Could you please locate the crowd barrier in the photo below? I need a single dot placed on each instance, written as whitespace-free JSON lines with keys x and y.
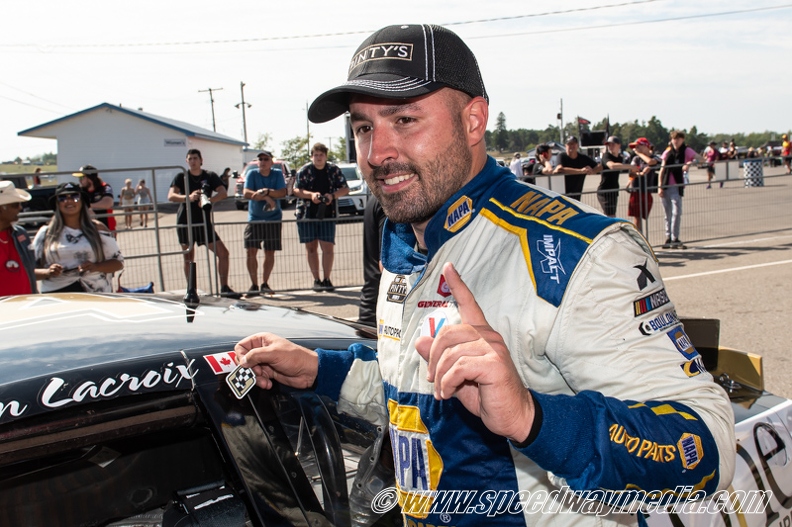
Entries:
{"x":154,"y":254}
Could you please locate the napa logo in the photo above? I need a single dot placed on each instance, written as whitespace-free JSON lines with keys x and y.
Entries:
{"x":459,"y":213}
{"x":690,"y":450}
{"x":417,"y":463}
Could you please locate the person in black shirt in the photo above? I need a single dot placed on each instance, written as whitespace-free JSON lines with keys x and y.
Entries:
{"x":544,"y":164}
{"x":188,"y":189}
{"x":575,"y":167}
{"x":612,"y":164}
{"x":373,"y":220}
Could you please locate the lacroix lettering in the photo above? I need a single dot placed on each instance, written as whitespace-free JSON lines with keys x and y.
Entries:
{"x":390,"y":50}
{"x":551,"y":210}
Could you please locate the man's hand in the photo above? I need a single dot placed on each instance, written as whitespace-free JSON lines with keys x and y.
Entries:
{"x":471,"y":362}
{"x":274,"y":358}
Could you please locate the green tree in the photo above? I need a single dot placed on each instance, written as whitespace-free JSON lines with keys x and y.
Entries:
{"x":295,"y":151}
{"x":263,"y":142}
{"x":501,"y":133}
{"x":338,"y":153}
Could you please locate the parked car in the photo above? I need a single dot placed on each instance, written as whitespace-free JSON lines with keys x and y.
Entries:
{"x":136,"y":424}
{"x":355,"y":201}
{"x":239,"y":185}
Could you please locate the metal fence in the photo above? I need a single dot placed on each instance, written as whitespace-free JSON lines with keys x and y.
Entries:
{"x":154,"y":254}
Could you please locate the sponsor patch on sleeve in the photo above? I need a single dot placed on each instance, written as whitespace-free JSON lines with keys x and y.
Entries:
{"x":690,"y":450}
{"x":650,"y":302}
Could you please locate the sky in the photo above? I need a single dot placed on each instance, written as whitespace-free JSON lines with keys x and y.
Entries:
{"x":721,"y":66}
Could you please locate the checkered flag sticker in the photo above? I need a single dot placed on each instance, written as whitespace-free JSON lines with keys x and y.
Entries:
{"x":241,"y":380}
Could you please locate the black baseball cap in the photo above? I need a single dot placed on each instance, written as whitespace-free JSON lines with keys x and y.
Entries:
{"x":400,"y":62}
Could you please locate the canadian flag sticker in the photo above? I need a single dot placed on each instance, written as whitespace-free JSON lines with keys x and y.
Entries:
{"x":222,"y":362}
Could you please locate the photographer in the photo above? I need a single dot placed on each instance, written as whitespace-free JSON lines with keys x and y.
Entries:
{"x":200,"y":189}
{"x":319,"y":184}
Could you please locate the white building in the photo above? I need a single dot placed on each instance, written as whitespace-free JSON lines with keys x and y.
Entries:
{"x":113,"y":137}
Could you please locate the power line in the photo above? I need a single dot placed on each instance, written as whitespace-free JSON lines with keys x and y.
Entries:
{"x":325,"y":35}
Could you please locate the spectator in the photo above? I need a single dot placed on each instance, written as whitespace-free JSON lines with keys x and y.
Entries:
{"x":544,"y":162}
{"x":264,"y":186}
{"x":711,"y":156}
{"x":18,"y":273}
{"x":643,"y":181}
{"x":575,"y":167}
{"x":143,"y":200}
{"x":527,"y":375}
{"x":673,"y":173}
{"x":612,"y":164}
{"x":100,"y":195}
{"x":373,"y":221}
{"x":127,"y":198}
{"x":516,"y":165}
{"x":37,"y":177}
{"x":786,"y":153}
{"x":225,"y":177}
{"x":80,"y":254}
{"x":731,"y":152}
{"x":319,"y":184}
{"x":189,"y":190}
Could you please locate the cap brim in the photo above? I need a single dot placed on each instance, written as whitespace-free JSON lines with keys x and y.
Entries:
{"x":335,"y":102}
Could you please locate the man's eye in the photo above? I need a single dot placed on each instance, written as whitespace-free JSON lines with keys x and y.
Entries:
{"x":405,"y":120}
{"x":362,"y":129}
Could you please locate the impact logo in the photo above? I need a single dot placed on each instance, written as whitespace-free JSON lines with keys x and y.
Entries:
{"x":459,"y":213}
{"x":690,"y":450}
{"x":417,"y":463}
{"x":659,"y":323}
{"x":552,"y":253}
{"x":443,"y":289}
{"x":388,"y":332}
{"x":645,"y":277}
{"x":397,"y":291}
{"x":650,"y":302}
{"x":386,"y":50}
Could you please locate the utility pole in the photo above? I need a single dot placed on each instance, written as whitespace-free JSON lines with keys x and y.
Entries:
{"x":211,"y":101}
{"x":243,"y":104}
{"x":561,"y":122}
{"x":307,"y":130}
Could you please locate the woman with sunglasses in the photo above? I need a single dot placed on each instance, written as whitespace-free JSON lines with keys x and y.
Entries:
{"x":83,"y":252}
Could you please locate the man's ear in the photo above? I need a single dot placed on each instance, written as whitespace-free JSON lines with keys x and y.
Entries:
{"x":475,"y":117}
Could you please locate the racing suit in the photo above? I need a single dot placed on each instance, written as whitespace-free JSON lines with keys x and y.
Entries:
{"x":624,"y":399}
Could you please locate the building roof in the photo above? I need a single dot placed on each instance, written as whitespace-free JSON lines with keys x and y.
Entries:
{"x":185,"y":128}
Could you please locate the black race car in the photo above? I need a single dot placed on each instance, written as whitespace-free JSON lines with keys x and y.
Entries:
{"x":117,"y":410}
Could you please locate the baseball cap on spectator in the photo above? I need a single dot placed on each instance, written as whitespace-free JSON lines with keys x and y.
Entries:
{"x":572,"y":139}
{"x":613,"y":139}
{"x":86,"y":170}
{"x":10,"y":194}
{"x":265,"y":153}
{"x":640,"y":141}
{"x":401,"y":62}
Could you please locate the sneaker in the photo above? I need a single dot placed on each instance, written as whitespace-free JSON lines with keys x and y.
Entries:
{"x":253,"y":291}
{"x":266,"y":289}
{"x":228,"y":292}
{"x":677,"y":244}
{"x":327,"y":285}
{"x":667,"y":244}
{"x":709,"y":186}
{"x":318,"y":285}
{"x":721,"y":184}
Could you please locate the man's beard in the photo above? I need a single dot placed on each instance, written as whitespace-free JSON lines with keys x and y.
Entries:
{"x":435,"y":182}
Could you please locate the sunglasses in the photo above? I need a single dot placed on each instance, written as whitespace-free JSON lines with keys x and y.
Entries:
{"x":63,"y":198}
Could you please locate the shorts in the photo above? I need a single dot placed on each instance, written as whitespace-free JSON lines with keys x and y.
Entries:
{"x":637,"y":210}
{"x":127,"y":203}
{"x":198,"y":235}
{"x":268,"y":233}
{"x":311,"y":230}
{"x":711,"y":168}
{"x":608,"y":198}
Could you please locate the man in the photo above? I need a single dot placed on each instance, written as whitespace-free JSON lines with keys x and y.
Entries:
{"x":643,"y":181}
{"x":544,"y":162}
{"x":319,"y":184}
{"x":264,"y":188}
{"x":676,"y":163}
{"x":612,"y":164}
{"x":511,"y":354}
{"x":100,"y":195}
{"x":516,"y":165}
{"x":575,"y":167}
{"x":711,"y":156}
{"x":18,"y":273}
{"x":188,"y":190}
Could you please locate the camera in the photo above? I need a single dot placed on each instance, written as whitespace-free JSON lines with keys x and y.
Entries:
{"x":206,"y":192}
{"x":324,"y":199}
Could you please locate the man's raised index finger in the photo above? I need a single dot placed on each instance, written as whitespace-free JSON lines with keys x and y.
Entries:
{"x":469,"y":310}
